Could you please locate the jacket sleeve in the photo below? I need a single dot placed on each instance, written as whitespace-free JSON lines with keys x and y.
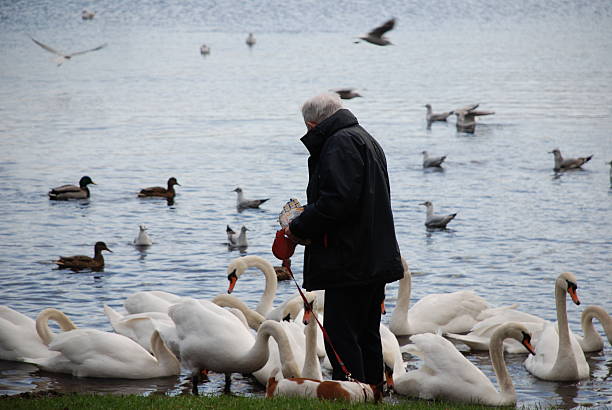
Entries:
{"x":340,"y":179}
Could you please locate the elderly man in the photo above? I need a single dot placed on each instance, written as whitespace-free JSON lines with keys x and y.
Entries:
{"x":347,"y":227}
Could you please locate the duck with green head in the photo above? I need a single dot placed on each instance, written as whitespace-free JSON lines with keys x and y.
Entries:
{"x":79,"y":262}
{"x":66,"y":192}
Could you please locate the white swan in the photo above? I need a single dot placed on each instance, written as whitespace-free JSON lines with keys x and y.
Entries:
{"x":140,"y":327}
{"x":559,"y":357}
{"x":453,"y":312}
{"x":211,"y":338}
{"x":479,"y":337}
{"x":447,"y":374}
{"x":19,"y":339}
{"x":94,"y":353}
{"x":591,"y":341}
{"x":239,"y":266}
{"x":150,"y":301}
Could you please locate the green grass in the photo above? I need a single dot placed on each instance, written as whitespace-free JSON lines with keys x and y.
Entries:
{"x":99,"y":401}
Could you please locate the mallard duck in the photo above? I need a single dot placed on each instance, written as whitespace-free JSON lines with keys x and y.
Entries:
{"x":283,"y":272}
{"x":160,"y":191}
{"x":79,"y":262}
{"x":65,"y":192}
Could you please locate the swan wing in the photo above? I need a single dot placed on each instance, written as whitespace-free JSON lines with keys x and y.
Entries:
{"x":18,"y":337}
{"x":451,"y":312}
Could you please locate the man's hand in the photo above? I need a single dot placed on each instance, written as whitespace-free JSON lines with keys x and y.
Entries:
{"x":295,"y":238}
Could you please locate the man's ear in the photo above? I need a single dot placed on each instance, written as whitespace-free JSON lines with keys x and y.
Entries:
{"x":311,"y":124}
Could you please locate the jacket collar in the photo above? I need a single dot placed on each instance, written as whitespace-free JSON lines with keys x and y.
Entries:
{"x":316,"y":137}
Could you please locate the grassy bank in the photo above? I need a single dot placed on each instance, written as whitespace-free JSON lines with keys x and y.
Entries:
{"x":94,"y":402}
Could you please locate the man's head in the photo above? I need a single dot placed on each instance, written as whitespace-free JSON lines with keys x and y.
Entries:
{"x":319,"y":107}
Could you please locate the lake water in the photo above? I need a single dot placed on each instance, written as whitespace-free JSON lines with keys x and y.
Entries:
{"x":149,"y":106}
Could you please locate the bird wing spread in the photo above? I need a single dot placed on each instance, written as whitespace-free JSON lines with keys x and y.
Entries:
{"x":380,"y":30}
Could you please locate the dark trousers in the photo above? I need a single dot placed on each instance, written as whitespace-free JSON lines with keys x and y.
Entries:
{"x":352,"y":321}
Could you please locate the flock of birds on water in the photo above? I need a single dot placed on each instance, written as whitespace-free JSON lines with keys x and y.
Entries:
{"x":159,"y":333}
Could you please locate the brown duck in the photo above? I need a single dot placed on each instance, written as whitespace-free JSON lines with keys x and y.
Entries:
{"x":283,"y":272}
{"x":159,"y":191}
{"x":66,"y":192}
{"x":79,"y":262}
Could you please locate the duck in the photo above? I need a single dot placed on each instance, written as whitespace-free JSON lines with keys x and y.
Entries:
{"x":19,"y":340}
{"x":431,"y":117}
{"x":66,"y":192}
{"x":94,"y":353}
{"x":466,"y":117}
{"x":432,"y":162}
{"x":158,"y":191}
{"x":454,"y":312}
{"x":447,"y":374}
{"x":376,"y":36}
{"x":87,"y":15}
{"x":142,"y":239}
{"x":284,"y":272}
{"x":79,"y":262}
{"x":211,"y":338}
{"x":250,"y":41}
{"x":347,"y":93}
{"x":559,"y":356}
{"x":242,"y":203}
{"x":433,"y":221}
{"x":568,"y":163}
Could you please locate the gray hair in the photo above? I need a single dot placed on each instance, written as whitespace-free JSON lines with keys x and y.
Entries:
{"x":321,"y":106}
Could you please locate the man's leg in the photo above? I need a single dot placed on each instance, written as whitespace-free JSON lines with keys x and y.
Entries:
{"x":343,"y":311}
{"x":369,"y":337}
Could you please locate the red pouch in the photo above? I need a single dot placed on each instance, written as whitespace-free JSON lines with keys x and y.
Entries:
{"x":283,"y":247}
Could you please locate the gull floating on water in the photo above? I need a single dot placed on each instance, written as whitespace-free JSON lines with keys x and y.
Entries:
{"x":568,"y":163}
{"x":377,"y":37}
{"x":237,"y":241}
{"x":250,"y":41}
{"x":88,"y":15}
{"x":347,"y":93}
{"x":436,"y":221}
{"x":432,"y":117}
{"x":466,"y":117}
{"x":63,"y":57}
{"x":429,"y":162}
{"x":204,"y":50}
{"x":143,"y":239}
{"x":243,"y":203}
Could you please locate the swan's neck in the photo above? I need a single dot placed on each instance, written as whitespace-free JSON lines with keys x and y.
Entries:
{"x":267,"y":299}
{"x":42,"y":324}
{"x":312,"y":367}
{"x":588,"y":329}
{"x":257,"y":356}
{"x":168,"y":363}
{"x":496,"y":352}
{"x":399,"y":318}
{"x":253,"y":318}
{"x":565,"y":355}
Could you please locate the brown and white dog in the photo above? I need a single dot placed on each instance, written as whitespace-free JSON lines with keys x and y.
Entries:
{"x":322,"y":389}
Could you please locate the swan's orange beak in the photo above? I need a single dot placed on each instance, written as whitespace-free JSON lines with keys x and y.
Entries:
{"x":307,"y":313}
{"x":232,"y":281}
{"x":572,"y":292}
{"x":383,"y":311}
{"x":527,"y":343}
{"x":389,"y":377}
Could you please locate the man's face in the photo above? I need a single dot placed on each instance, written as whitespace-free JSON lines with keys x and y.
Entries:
{"x":310,"y":125}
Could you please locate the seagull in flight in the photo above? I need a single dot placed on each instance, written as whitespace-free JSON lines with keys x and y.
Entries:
{"x":63,"y":57}
{"x":377,"y":37}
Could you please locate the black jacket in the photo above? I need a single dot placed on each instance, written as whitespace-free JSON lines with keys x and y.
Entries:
{"x":348,"y":217}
